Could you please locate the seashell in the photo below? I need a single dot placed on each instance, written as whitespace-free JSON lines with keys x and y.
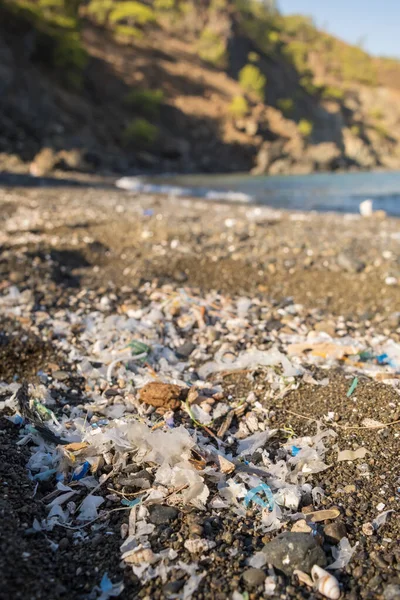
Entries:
{"x":199,"y":545}
{"x":303,"y":577}
{"x":368,"y":529}
{"x":325,"y":583}
{"x":139,"y":556}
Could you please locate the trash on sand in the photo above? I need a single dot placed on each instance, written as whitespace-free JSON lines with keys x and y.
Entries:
{"x":107,"y":589}
{"x":352,"y":387}
{"x":352,"y":454}
{"x":325,"y":583}
{"x":89,"y":508}
{"x":333,"y":350}
{"x":342,"y":554}
{"x":131,"y":503}
{"x":253,"y":497}
{"x":257,"y":561}
{"x":81,"y":471}
{"x":381,"y":519}
{"x":366,"y":208}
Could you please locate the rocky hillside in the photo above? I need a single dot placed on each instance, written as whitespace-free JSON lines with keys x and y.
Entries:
{"x":174,"y":85}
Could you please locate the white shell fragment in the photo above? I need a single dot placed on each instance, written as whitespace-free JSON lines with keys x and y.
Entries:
{"x":325,"y":583}
{"x":198,"y":546}
{"x":139,"y":556}
{"x":303,"y":577}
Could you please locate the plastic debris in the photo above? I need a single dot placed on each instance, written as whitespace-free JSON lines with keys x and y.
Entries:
{"x":81,"y":471}
{"x":381,"y":519}
{"x":352,"y":387}
{"x":132,"y":420}
{"x":107,"y":589}
{"x":89,"y":508}
{"x":257,"y":561}
{"x":352,"y":454}
{"x":333,"y":350}
{"x":131,"y":503}
{"x":253,"y":497}
{"x":366,"y":208}
{"x":342,"y":554}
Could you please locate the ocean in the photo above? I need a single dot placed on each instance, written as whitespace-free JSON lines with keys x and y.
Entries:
{"x":339,"y":192}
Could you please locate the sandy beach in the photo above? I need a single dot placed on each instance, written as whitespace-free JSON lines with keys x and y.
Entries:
{"x":309,"y":286}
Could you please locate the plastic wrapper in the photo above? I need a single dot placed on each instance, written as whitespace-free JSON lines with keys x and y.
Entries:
{"x":252,"y":359}
{"x":342,"y":554}
{"x":89,"y":507}
{"x":252,"y":443}
{"x":381,"y":519}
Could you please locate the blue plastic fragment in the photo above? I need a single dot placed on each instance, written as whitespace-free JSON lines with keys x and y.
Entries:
{"x":44,"y":475}
{"x":295,"y":450}
{"x":106,"y":583}
{"x":253,"y":496}
{"x":16,"y":419}
{"x":352,"y":387}
{"x":148,"y":212}
{"x":130,"y":503}
{"x":81,"y":471}
{"x":382,"y":359}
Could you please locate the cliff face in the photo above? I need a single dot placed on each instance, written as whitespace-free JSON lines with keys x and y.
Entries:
{"x":207,"y":86}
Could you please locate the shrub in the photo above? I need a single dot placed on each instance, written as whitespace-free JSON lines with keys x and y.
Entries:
{"x":382,"y":132}
{"x":164,"y":4}
{"x":332,"y":93}
{"x":309,"y":86}
{"x":285,"y":105}
{"x":212,"y":47}
{"x":253,"y":81}
{"x":253,"y":57}
{"x":355,"y":130}
{"x":305,"y":128}
{"x":132,"y":14}
{"x":100,"y":10}
{"x":377,"y":113}
{"x":58,"y":43}
{"x":297,"y":53}
{"x":147,"y":102}
{"x":239,"y":107}
{"x":141,"y":133}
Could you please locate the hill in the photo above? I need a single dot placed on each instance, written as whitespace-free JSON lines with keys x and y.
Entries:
{"x":173,"y":85}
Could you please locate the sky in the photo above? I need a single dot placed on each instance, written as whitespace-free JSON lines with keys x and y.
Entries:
{"x":374,"y":22}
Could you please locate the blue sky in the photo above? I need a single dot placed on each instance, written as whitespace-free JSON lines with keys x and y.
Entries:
{"x":376,"y":22}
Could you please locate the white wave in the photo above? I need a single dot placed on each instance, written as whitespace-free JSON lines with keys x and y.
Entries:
{"x":137,"y":184}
